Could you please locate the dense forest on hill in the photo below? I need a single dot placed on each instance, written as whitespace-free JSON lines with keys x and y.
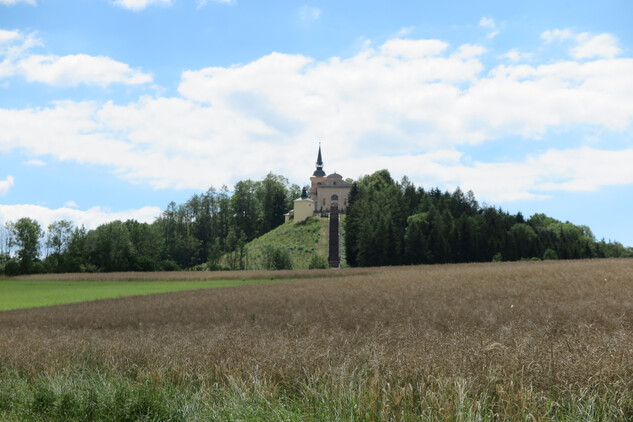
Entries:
{"x":388,"y":223}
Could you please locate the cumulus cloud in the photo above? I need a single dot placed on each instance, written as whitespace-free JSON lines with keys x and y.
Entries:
{"x":602,"y":45}
{"x":406,"y":105}
{"x":6,"y":185}
{"x":587,"y":45}
{"x":70,"y":70}
{"x":137,"y":5}
{"x":552,"y":35}
{"x":515,"y":55}
{"x":73,"y":70}
{"x":90,"y":218}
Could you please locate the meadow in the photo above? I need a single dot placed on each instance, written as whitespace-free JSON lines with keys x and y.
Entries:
{"x":17,"y":294}
{"x":500,"y":341}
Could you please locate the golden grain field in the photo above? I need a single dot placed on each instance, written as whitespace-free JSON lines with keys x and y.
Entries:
{"x":499,"y":341}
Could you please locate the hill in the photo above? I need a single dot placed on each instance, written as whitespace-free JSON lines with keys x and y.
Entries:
{"x":302,"y":241}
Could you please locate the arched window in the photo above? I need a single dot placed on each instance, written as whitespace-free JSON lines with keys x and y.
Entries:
{"x":334,"y":198}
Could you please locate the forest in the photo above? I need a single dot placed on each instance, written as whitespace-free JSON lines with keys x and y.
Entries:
{"x":387,"y":223}
{"x":390,"y":223}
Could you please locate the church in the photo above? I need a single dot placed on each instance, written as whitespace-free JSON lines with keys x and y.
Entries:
{"x":328,"y":194}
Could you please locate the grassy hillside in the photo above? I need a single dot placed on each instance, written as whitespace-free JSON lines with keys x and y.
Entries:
{"x":301,"y":240}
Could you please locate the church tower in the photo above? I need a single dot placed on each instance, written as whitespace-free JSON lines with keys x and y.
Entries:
{"x":319,"y":165}
{"x":318,"y":177}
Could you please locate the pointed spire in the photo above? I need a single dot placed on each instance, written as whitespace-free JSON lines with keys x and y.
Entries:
{"x":319,"y":159}
{"x":319,"y":165}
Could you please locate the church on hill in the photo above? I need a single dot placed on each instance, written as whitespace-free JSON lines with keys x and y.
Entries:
{"x":328,"y":194}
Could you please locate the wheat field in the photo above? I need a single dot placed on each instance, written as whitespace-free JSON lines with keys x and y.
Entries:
{"x":502,"y":341}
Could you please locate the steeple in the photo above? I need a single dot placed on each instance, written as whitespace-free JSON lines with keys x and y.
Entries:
{"x":319,"y":165}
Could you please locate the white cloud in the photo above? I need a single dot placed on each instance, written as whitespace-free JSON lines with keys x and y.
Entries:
{"x":69,"y":70}
{"x":73,"y":70}
{"x":14,"y":2}
{"x":35,"y":163}
{"x":71,"y":204}
{"x":6,"y":185}
{"x":309,"y":13}
{"x":6,"y":36}
{"x":587,"y":45}
{"x":602,"y":45}
{"x":489,"y":23}
{"x":556,"y":35}
{"x":137,"y":5}
{"x":403,"y":32}
{"x":468,"y":51}
{"x":90,"y":219}
{"x":515,"y":55}
{"x":407,"y":105}
{"x":412,"y":49}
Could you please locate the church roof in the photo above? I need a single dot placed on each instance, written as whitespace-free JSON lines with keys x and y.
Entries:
{"x":319,"y":165}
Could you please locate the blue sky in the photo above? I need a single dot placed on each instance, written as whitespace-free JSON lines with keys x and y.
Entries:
{"x":110,"y":109}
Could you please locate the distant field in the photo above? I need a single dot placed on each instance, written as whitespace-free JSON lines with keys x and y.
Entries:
{"x":525,"y":341}
{"x":17,"y":294}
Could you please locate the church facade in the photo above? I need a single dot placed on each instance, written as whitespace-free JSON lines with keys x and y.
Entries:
{"x":328,"y":194}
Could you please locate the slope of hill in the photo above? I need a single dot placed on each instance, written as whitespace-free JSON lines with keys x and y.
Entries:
{"x":302,"y":241}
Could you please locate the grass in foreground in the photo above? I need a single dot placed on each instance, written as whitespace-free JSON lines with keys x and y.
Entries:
{"x":521,"y":341}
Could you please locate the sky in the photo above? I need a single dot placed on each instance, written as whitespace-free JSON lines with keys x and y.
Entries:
{"x":111,"y":109}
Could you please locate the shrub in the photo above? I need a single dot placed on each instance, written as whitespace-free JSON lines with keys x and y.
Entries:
{"x":497,"y":257}
{"x":277,"y":258}
{"x":12,"y":267}
{"x":549,"y":254}
{"x":318,"y":262}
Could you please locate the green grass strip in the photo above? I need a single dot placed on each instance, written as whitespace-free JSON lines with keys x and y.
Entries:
{"x":18,"y":294}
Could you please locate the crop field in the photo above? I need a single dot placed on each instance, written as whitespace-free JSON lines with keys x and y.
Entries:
{"x":503,"y":341}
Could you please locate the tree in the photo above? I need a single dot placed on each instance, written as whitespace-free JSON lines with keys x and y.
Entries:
{"x":26,"y":234}
{"x":57,"y":241}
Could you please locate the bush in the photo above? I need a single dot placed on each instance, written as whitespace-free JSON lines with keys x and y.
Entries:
{"x":549,"y":254}
{"x":170,"y":265}
{"x":12,"y":268}
{"x":276,"y":258}
{"x":498,"y":257}
{"x":318,"y":262}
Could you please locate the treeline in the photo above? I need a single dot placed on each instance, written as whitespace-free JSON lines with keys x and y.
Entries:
{"x":387,"y":223}
{"x":211,"y":228}
{"x":390,"y":223}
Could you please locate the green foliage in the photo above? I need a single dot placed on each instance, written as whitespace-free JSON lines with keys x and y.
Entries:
{"x":318,"y":262}
{"x":302,"y":241}
{"x":277,"y":258}
{"x":387,"y":223}
{"x":390,"y":223}
{"x":12,"y":268}
{"x":550,"y":254}
{"x":26,"y":234}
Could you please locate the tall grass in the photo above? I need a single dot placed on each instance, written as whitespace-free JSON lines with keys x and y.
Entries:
{"x":521,"y":341}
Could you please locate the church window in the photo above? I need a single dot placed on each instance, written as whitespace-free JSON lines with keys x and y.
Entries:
{"x":334,"y":198}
